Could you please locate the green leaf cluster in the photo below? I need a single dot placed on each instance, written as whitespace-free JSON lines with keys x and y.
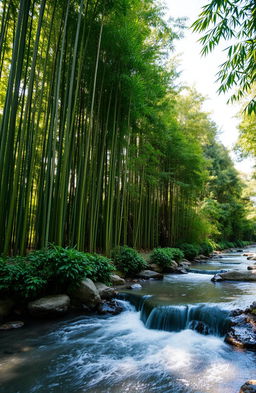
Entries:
{"x":164,"y":257}
{"x":51,"y":271}
{"x":127,"y":260}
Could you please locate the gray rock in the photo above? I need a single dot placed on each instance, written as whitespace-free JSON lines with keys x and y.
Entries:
{"x":110,"y":307}
{"x":105,"y":292}
{"x":216,"y":278}
{"x":249,"y":387}
{"x":181,"y":270}
{"x":185,"y":264}
{"x":172,"y":268}
{"x":252,"y":258}
{"x":242,"y":332}
{"x":12,"y":325}
{"x":6,"y":306}
{"x":87,"y":294}
{"x":156,"y":268}
{"x":202,"y":257}
{"x":147,"y":274}
{"x":49,"y":306}
{"x":116,"y":280}
{"x":252,"y":267}
{"x":134,"y":286}
{"x":237,"y":276}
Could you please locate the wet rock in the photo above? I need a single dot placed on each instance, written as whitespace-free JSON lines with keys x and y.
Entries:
{"x":251,"y":267}
{"x":252,"y":258}
{"x":105,"y":292}
{"x":11,"y":325}
{"x":87,"y":294}
{"x":202,"y":257}
{"x":149,"y":274}
{"x":116,"y":280}
{"x":236,"y":276}
{"x":216,"y":278}
{"x":156,"y":268}
{"x":185,"y":264}
{"x":6,"y":306}
{"x":172,"y":268}
{"x":241,"y":336}
{"x":237,"y":312}
{"x":110,"y":307}
{"x":199,"y":327}
{"x":49,"y":306}
{"x":181,"y":270}
{"x":249,"y":387}
{"x":134,"y":286}
{"x":242,"y":333}
{"x":239,"y":250}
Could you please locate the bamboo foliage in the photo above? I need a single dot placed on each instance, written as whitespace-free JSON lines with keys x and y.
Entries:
{"x":92,"y":150}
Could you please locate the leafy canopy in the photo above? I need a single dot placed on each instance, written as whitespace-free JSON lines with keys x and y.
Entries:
{"x":233,"y":21}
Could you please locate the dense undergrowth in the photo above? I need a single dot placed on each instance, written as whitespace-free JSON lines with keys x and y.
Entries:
{"x":56,"y":270}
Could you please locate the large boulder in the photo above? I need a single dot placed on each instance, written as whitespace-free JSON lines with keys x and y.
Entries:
{"x":248,"y":387}
{"x":6,"y":306}
{"x":116,"y":280}
{"x":150,"y":274}
{"x":105,"y":292}
{"x":49,"y":306}
{"x":86,"y":294}
{"x":236,"y":276}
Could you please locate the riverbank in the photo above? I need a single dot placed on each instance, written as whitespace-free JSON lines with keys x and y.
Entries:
{"x":139,"y":349}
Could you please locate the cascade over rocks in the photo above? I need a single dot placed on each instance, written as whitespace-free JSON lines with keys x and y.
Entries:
{"x":49,"y":306}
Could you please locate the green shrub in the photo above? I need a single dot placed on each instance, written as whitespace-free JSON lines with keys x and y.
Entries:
{"x":101,"y":268}
{"x":127,"y":260}
{"x":20,"y":279}
{"x":190,"y":250}
{"x":164,"y":257}
{"x":49,"y":271}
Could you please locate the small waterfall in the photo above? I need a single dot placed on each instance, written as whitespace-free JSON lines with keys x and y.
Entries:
{"x":202,"y":318}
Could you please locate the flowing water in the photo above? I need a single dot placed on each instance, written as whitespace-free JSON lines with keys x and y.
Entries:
{"x":152,"y":347}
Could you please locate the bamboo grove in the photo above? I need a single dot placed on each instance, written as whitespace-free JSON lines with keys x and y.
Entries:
{"x":97,"y":145}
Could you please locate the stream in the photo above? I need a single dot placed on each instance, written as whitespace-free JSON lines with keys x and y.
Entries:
{"x":153,"y":346}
